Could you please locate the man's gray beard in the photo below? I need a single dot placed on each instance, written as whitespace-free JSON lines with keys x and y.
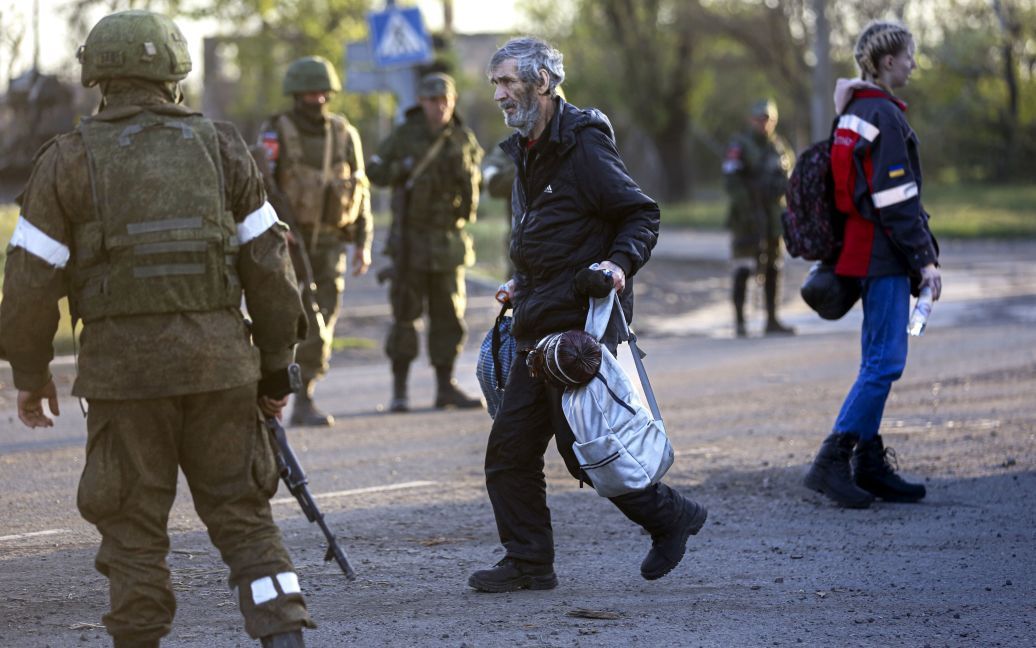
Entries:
{"x":524,"y":118}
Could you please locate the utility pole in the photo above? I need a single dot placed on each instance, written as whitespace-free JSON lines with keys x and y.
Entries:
{"x":447,"y":20}
{"x":821,"y":103}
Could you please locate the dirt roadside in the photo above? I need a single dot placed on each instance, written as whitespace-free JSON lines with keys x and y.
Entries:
{"x":773,"y":566}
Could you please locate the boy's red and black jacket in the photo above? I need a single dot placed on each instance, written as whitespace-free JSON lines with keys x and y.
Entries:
{"x":877,"y":181}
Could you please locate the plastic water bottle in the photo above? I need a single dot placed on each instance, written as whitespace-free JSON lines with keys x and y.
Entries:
{"x":923,"y":308}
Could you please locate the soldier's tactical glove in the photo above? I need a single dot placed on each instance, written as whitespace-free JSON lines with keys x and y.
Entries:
{"x":388,"y":273}
{"x":593,"y":283}
{"x":278,"y":384}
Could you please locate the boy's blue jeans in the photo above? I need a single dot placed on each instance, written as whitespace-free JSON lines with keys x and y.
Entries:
{"x":886,"y":310}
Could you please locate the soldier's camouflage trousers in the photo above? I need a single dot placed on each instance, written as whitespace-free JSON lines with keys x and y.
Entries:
{"x":328,"y":260}
{"x":446,"y":297}
{"x":133,"y":450}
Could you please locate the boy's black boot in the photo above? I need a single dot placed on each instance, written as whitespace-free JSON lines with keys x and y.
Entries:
{"x":830,"y":473}
{"x":874,"y":473}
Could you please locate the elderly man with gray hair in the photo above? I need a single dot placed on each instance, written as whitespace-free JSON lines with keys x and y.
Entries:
{"x":575,"y":205}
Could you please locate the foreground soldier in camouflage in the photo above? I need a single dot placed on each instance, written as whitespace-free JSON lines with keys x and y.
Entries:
{"x":153,"y":220}
{"x":756,"y":171}
{"x":432,"y":164}
{"x":321,"y":190}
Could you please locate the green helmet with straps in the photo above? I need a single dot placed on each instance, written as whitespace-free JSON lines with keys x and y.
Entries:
{"x":139,"y":44}
{"x":311,"y":74}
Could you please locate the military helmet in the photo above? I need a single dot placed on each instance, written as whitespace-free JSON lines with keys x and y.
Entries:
{"x":311,"y":74}
{"x":136,"y":43}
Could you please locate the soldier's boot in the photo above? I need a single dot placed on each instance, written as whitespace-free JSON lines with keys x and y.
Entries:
{"x":830,"y":473}
{"x":874,"y":473}
{"x":741,"y":276}
{"x":305,"y":413}
{"x":400,"y":371}
{"x":773,"y":325}
{"x":448,"y":394}
{"x":284,"y":640}
{"x":511,"y":574}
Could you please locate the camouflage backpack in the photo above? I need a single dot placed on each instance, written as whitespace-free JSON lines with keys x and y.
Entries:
{"x":812,"y":226}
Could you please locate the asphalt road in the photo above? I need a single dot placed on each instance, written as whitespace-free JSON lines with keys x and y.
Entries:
{"x":774,"y":565}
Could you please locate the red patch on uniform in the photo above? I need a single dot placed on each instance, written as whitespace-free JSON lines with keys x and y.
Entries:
{"x":734,"y":153}
{"x":273,"y":148}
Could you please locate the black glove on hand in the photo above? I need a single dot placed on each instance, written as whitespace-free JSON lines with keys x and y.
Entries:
{"x":593,"y":283}
{"x":278,"y":384}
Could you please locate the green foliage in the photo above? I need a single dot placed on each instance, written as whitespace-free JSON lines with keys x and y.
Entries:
{"x":972,"y":126}
{"x":343,"y":343}
{"x":979,"y":211}
{"x":708,"y":213}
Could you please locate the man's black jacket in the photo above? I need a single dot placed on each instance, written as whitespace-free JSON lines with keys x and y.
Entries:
{"x":574,"y":204}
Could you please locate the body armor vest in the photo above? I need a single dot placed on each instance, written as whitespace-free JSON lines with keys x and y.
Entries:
{"x":327,"y":195}
{"x":162,"y":240}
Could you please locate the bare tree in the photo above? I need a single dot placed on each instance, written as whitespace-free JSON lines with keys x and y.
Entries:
{"x":12,"y":35}
{"x":656,"y":42}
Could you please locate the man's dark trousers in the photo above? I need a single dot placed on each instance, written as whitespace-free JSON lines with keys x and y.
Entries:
{"x":530,"y":414}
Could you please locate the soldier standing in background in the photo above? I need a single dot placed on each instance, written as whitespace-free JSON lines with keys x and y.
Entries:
{"x":153,"y":220}
{"x":319,"y":186}
{"x":431,"y":162}
{"x":756,"y":170}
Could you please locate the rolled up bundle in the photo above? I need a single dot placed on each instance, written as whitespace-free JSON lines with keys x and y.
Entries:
{"x":568,"y":359}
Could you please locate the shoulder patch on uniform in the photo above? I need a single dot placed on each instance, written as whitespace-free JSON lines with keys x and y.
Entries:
{"x":268,"y":140}
{"x":896,"y":171}
{"x":732,"y":161}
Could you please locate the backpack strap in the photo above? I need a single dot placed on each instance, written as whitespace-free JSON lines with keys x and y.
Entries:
{"x":292,"y":139}
{"x":597,"y":319}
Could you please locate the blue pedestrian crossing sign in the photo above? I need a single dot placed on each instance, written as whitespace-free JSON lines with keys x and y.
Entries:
{"x":398,"y":37}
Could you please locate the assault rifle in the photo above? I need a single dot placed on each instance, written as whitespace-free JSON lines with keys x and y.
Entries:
{"x":296,"y":246}
{"x":296,"y":481}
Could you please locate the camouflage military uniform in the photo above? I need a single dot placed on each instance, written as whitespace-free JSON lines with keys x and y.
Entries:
{"x":428,"y":244}
{"x":324,"y":215}
{"x":756,"y":171}
{"x":168,"y":386}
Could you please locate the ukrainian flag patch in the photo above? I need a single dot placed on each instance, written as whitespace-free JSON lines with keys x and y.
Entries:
{"x":896,"y":171}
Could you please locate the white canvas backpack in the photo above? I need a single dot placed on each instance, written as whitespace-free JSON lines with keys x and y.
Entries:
{"x":621,"y":445}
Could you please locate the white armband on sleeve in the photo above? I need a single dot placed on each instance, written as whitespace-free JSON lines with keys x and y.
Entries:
{"x":894,"y":195}
{"x":34,"y":241}
{"x":256,"y":223}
